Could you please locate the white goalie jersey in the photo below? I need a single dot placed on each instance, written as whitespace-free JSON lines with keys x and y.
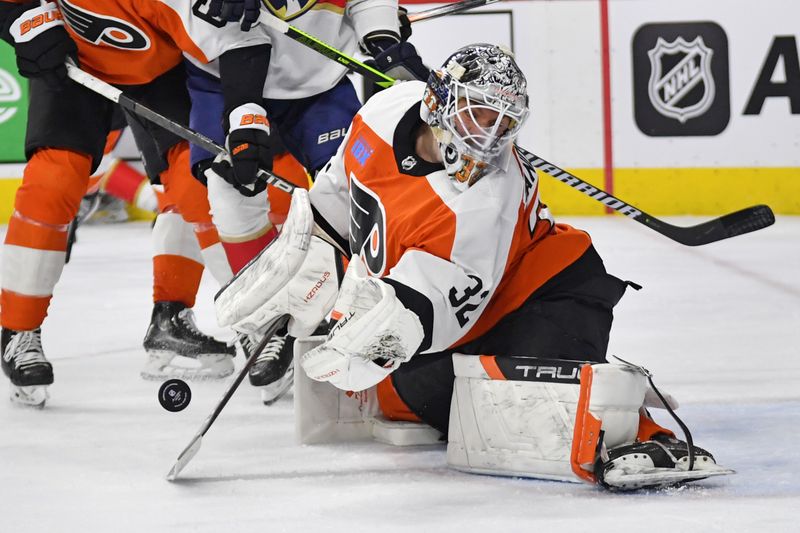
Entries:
{"x":459,"y":260}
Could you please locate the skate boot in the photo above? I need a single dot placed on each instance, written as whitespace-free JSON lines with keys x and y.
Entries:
{"x":273,"y":371}
{"x":24,"y":363}
{"x":176,"y":348}
{"x":660,"y":462}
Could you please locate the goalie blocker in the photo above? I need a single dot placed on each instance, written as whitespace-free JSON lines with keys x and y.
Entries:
{"x":565,"y":421}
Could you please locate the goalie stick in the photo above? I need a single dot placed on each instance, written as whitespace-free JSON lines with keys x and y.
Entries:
{"x":194,"y":445}
{"x":730,"y":225}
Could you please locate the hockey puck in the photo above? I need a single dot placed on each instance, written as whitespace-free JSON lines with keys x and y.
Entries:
{"x":174,"y":395}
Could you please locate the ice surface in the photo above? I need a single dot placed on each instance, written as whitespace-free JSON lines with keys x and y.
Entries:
{"x":719,"y":326}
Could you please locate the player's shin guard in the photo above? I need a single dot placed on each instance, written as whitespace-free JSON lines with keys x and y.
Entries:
{"x":555,"y":419}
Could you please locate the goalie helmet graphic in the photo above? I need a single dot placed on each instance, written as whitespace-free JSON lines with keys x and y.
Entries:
{"x":476,"y":104}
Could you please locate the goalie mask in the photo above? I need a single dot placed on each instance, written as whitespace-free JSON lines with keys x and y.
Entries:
{"x":476,"y":104}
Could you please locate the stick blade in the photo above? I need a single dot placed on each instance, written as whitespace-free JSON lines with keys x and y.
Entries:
{"x":731,"y":225}
{"x":748,"y":220}
{"x":186,"y":455}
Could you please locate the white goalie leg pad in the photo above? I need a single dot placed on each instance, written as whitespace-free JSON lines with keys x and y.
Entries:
{"x":374,"y":334}
{"x":516,"y":416}
{"x":271,"y":269}
{"x":308,"y":296}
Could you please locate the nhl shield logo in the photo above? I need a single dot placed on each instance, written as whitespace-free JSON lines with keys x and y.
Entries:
{"x":681,"y":85}
{"x":289,"y":9}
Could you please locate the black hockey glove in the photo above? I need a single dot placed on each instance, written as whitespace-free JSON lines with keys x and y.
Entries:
{"x":40,"y":41}
{"x":400,"y":61}
{"x":250,"y":147}
{"x":234,"y":10}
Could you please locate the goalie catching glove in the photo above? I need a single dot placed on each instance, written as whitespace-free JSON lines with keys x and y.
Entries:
{"x":374,"y":334}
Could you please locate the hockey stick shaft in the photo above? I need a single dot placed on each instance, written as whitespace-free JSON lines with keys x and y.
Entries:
{"x":380,"y":79}
{"x":115,"y":95}
{"x":449,"y":9}
{"x":194,"y":445}
{"x":737,"y":223}
{"x":730,"y":225}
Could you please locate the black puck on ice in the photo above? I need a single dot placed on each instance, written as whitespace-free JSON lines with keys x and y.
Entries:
{"x":174,"y":395}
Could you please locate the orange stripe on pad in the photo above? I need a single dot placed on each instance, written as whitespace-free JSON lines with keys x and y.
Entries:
{"x":587,"y":430}
{"x":489,"y":364}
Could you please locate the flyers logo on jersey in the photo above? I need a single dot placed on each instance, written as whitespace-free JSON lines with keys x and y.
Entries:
{"x":101,"y":29}
{"x":289,"y":9}
{"x":367,"y":226}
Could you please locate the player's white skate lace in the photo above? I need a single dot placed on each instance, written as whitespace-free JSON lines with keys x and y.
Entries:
{"x":24,"y":350}
{"x":270,"y":355}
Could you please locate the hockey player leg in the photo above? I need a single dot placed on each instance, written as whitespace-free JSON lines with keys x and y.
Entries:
{"x":561,"y":420}
{"x":33,"y":258}
{"x":192,"y":202}
{"x":242,"y":221}
{"x":175,"y":346}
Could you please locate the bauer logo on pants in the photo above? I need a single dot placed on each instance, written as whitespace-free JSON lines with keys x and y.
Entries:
{"x":680,"y":73}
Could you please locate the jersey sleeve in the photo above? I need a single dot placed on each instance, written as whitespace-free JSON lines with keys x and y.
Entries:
{"x":450,"y":294}
{"x":200,"y":36}
{"x":373,"y":15}
{"x":330,"y":193}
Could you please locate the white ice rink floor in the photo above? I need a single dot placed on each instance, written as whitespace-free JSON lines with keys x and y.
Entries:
{"x":719,"y":326}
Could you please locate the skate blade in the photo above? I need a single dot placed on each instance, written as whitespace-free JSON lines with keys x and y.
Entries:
{"x":658,"y":478}
{"x":34,"y":396}
{"x":274,"y":391}
{"x":206,"y":367}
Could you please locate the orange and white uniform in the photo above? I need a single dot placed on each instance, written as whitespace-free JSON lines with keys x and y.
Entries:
{"x":131,"y":42}
{"x":124,"y":42}
{"x":460,"y":260}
